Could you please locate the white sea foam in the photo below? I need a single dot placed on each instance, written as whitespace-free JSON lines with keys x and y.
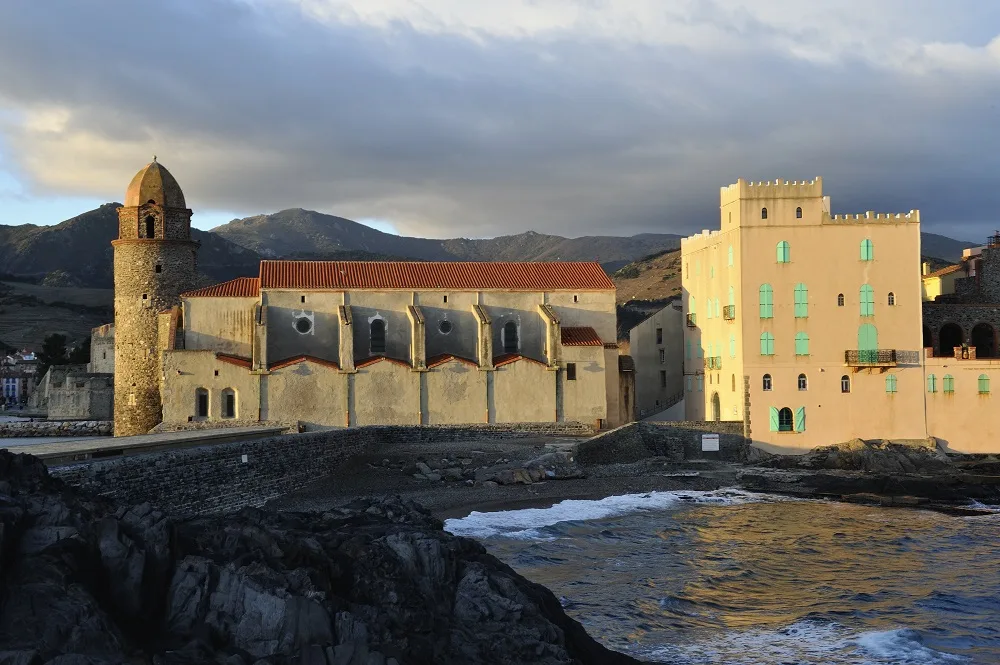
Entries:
{"x":807,"y":642}
{"x":525,"y":524}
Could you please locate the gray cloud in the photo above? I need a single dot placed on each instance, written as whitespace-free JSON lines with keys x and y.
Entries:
{"x":259,"y":108}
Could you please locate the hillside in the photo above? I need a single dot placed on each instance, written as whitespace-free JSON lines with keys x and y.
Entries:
{"x":29,"y":312}
{"x":943,"y":247}
{"x":304,"y":231}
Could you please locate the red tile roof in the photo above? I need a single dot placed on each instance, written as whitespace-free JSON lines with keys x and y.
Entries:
{"x":294,"y":360}
{"x":433,"y":275}
{"x":509,"y":358}
{"x":239,"y":361}
{"x":442,"y":358}
{"x":374,"y":359}
{"x":241,"y":287}
{"x":583,"y":336}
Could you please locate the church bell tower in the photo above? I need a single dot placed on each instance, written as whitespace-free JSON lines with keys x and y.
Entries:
{"x":155,"y":261}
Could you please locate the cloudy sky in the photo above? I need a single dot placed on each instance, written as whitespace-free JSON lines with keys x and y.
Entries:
{"x":471,"y":118}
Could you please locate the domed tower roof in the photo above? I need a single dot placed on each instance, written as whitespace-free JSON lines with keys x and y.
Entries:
{"x":154,"y":183}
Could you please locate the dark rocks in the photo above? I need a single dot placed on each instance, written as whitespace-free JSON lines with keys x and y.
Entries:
{"x":869,"y":456}
{"x":375,"y":583}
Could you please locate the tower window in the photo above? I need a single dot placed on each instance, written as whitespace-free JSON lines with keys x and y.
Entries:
{"x":145,"y":296}
{"x":803,"y":382}
{"x":767,"y":382}
{"x":159,"y":268}
{"x":892,"y":299}
{"x":302,"y":299}
{"x":576,"y":298}
{"x":228,"y":403}
{"x":798,"y":213}
{"x":150,"y":226}
{"x":663,"y":378}
{"x":571,"y":371}
{"x":763,"y":213}
{"x":659,"y":335}
{"x":377,"y":336}
{"x":840,"y":300}
{"x":201,"y":403}
{"x":845,"y":384}
{"x":446,"y":299}
{"x":510,"y":344}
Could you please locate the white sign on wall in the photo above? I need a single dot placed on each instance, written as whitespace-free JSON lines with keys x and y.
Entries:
{"x":709,"y":443}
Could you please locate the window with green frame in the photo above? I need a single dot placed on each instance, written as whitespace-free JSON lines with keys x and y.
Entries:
{"x":948,"y":386}
{"x":801,"y":301}
{"x":732,"y":346}
{"x":867,"y":300}
{"x":984,"y":384}
{"x":867,"y":250}
{"x":783,"y":252}
{"x":931,"y":383}
{"x":767,"y":344}
{"x":890,"y":383}
{"x":730,"y":256}
{"x":766,"y":301}
{"x":801,"y":344}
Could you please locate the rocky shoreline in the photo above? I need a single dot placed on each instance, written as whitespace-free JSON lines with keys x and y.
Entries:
{"x":373,"y":582}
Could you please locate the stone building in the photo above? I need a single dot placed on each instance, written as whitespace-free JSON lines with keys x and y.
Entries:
{"x":657,"y":348}
{"x":820,"y":337}
{"x":330,"y":343}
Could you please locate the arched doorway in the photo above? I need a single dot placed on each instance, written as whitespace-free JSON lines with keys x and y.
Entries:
{"x":983,"y":337}
{"x":949,"y":337}
{"x":716,"y":408}
{"x":928,"y":338}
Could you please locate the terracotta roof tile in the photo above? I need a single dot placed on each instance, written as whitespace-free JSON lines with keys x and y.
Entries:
{"x":508,"y":358}
{"x":374,"y":359}
{"x":241,"y":287}
{"x":239,"y":361}
{"x":442,"y":358}
{"x":294,"y":360}
{"x":433,"y":275}
{"x":583,"y":336}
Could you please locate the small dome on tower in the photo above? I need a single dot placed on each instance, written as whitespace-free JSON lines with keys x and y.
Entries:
{"x":154,"y":183}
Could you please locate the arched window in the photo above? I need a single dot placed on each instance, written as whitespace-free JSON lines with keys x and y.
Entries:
{"x":798,"y":213}
{"x":228,"y":403}
{"x":867,"y":250}
{"x":801,"y":344}
{"x":948,"y":384}
{"x":867,"y":300}
{"x":783,"y":251}
{"x":767,"y":344}
{"x":931,"y":383}
{"x":840,"y":300}
{"x":785,"y":421}
{"x":984,"y":384}
{"x":803,"y":382}
{"x":510,"y":344}
{"x":801,"y":301}
{"x":377,"y":336}
{"x":150,"y":227}
{"x":766,"y":301}
{"x":730,"y":256}
{"x":201,"y":403}
{"x":892,"y":299}
{"x":763,"y":213}
{"x":732,"y":346}
{"x":845,"y":384}
{"x":767,"y":382}
{"x":890,"y":384}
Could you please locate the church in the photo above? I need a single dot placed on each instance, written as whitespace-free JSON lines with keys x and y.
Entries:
{"x":350,"y":343}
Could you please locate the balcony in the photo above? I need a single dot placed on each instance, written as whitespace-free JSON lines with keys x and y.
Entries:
{"x":692,"y":321}
{"x":714,"y":362}
{"x":881,"y":358}
{"x":729,"y":312}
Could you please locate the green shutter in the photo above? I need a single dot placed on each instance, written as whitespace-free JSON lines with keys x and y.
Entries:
{"x":766,"y":301}
{"x":984,"y":384}
{"x":931,"y":383}
{"x":867,"y":250}
{"x":801,"y":344}
{"x":774,"y":419}
{"x":867,"y":301}
{"x":801,"y":301}
{"x":890,"y":383}
{"x":867,"y":342}
{"x":800,"y":419}
{"x":783,"y":252}
{"x":949,"y":383}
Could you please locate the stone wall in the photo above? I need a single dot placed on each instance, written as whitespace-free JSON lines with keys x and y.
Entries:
{"x":936,"y":315}
{"x":217,"y":479}
{"x":677,"y":441}
{"x":200,"y":425}
{"x":83,"y":396}
{"x":74,"y":428}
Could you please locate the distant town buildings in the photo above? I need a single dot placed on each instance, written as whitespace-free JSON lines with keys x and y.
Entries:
{"x":18,"y":372}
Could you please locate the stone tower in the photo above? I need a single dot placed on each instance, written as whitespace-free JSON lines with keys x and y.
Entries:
{"x":155,"y":261}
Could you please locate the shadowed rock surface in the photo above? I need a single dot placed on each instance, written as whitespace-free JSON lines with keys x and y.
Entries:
{"x":876,"y":456}
{"x":374,"y":583}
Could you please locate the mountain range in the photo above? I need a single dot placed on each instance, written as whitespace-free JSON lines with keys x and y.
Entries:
{"x":77,"y":252}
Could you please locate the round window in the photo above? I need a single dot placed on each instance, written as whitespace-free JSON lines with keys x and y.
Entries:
{"x":445,"y":326}
{"x":303,"y":325}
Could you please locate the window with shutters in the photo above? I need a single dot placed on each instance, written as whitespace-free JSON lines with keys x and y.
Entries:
{"x":931,"y":383}
{"x":767,"y":344}
{"x":800,"y":419}
{"x":801,"y":301}
{"x":783,"y":251}
{"x":766,"y":301}
{"x":867,"y":300}
{"x":890,"y":384}
{"x":948,"y":384}
{"x":785,"y":420}
{"x":984,"y":384}
{"x":689,"y":384}
{"x":801,"y":344}
{"x":867,"y":250}
{"x":701,"y":383}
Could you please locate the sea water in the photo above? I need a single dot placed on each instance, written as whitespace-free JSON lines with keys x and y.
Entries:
{"x":736,"y":577}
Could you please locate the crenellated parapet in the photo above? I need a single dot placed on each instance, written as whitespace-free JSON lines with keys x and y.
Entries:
{"x":877,"y":217}
{"x":777,"y":189}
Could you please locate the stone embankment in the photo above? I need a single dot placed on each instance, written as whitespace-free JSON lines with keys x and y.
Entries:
{"x":377,"y":582}
{"x":70,"y":428}
{"x":550,"y":466}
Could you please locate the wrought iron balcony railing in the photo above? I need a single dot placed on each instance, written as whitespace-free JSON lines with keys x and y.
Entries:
{"x":692,"y":321}
{"x":729,"y":312}
{"x":715,"y":362}
{"x":870,"y":358}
